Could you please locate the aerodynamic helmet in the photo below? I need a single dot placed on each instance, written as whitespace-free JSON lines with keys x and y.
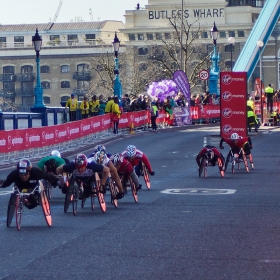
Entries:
{"x":209,"y":154}
{"x":116,"y":158}
{"x":234,"y":136}
{"x":98,"y":148}
{"x":100,"y":157}
{"x":55,"y":153}
{"x":130,"y":151}
{"x":24,"y":166}
{"x":81,"y":161}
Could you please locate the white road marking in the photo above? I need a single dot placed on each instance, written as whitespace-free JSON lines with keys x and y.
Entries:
{"x":5,"y":192}
{"x":199,"y":191}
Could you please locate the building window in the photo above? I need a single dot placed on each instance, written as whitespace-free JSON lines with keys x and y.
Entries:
{"x":240,"y":33}
{"x":142,"y":51}
{"x":2,"y":42}
{"x":47,"y":100}
{"x":228,"y":64}
{"x":54,"y":37}
{"x":65,"y":84}
{"x":143,"y":67}
{"x":194,"y":35}
{"x":209,"y":48}
{"x":72,"y":39}
{"x":231,"y":33}
{"x":131,"y":37}
{"x":18,"y":41}
{"x":222,"y":34}
{"x":83,"y":67}
{"x":167,"y":36}
{"x":150,"y":36}
{"x":45,"y":84}
{"x":64,"y":68}
{"x":64,"y":98}
{"x":140,"y":37}
{"x":26,"y":69}
{"x":83,"y":85}
{"x":158,"y":36}
{"x":90,"y":37}
{"x":228,"y":48}
{"x":204,"y":35}
{"x":45,"y":69}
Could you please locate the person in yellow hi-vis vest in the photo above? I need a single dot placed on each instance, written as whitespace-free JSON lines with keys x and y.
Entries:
{"x":94,"y":106}
{"x":72,"y":104}
{"x":108,"y":108}
{"x":116,"y":110}
{"x":84,"y":108}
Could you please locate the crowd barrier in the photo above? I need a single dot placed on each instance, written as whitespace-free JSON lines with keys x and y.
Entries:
{"x":31,"y":142}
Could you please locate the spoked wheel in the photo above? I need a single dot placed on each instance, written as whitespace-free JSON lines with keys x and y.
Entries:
{"x":221,"y":167}
{"x":46,"y":208}
{"x":67,"y":201}
{"x":47,"y":188}
{"x":92,"y":202}
{"x":83,"y":201}
{"x":227,"y":160}
{"x":19,"y":203}
{"x":133,"y":190}
{"x":11,"y":209}
{"x":100,"y":195}
{"x":245,"y":162}
{"x":146,"y":176}
{"x":114,"y":191}
{"x":75,"y":198}
{"x":201,"y":167}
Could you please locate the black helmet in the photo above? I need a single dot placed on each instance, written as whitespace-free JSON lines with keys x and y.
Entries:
{"x":24,"y":166}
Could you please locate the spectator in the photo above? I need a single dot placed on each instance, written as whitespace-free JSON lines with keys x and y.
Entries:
{"x":134,"y":106}
{"x":206,"y":98}
{"x":198,"y":100}
{"x":94,"y":105}
{"x":214,"y":99}
{"x":110,"y":102}
{"x":127,"y":98}
{"x":85,"y":108}
{"x":116,"y":110}
{"x":72,"y":104}
{"x":193,"y":98}
{"x":180,"y":100}
{"x":144,"y":103}
{"x":101,"y":109}
{"x":154,"y":115}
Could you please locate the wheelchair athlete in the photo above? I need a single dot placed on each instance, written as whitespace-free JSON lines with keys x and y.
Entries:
{"x":237,"y":143}
{"x":27,"y":177}
{"x":212,"y":154}
{"x":83,"y":170}
{"x":100,"y":157}
{"x":125,"y":169}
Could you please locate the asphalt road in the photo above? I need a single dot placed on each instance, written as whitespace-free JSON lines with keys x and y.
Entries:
{"x":185,"y":227}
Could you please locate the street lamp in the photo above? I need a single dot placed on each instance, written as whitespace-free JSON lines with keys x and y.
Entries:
{"x":37,"y":43}
{"x":260,"y":45}
{"x":215,"y":58}
{"x":117,"y":82}
{"x":231,"y":40}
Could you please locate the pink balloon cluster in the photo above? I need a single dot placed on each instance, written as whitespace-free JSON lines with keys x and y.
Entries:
{"x":162,"y":89}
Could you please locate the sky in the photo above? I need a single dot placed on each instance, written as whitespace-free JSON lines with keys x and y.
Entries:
{"x":43,"y":11}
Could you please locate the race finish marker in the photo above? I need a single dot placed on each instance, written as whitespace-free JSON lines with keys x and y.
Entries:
{"x":199,"y":191}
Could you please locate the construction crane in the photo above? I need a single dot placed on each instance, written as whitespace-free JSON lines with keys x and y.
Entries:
{"x":90,"y":14}
{"x":56,"y":14}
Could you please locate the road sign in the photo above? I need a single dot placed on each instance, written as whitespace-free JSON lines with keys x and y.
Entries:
{"x":203,"y":74}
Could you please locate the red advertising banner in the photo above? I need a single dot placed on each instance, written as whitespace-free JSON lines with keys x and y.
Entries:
{"x":233,"y":87}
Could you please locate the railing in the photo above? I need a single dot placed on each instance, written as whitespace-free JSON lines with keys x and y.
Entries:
{"x":25,"y":92}
{"x":7,"y":78}
{"x":7,"y":94}
{"x":84,"y":76}
{"x":80,"y":91}
{"x":25,"y":77}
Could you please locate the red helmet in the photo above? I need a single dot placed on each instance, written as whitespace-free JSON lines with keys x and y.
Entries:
{"x":81,"y":161}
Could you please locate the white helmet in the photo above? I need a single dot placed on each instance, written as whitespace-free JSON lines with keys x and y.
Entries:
{"x":234,"y":136}
{"x":100,"y":157}
{"x":55,"y":153}
{"x":116,"y":158}
{"x":209,"y":154}
{"x":130,"y":151}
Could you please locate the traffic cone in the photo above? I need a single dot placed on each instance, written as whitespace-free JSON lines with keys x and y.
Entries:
{"x":132,"y":128}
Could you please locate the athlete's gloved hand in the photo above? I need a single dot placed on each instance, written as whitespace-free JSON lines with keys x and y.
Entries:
{"x":251,"y":147}
{"x":221,"y":147}
{"x":152,"y":173}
